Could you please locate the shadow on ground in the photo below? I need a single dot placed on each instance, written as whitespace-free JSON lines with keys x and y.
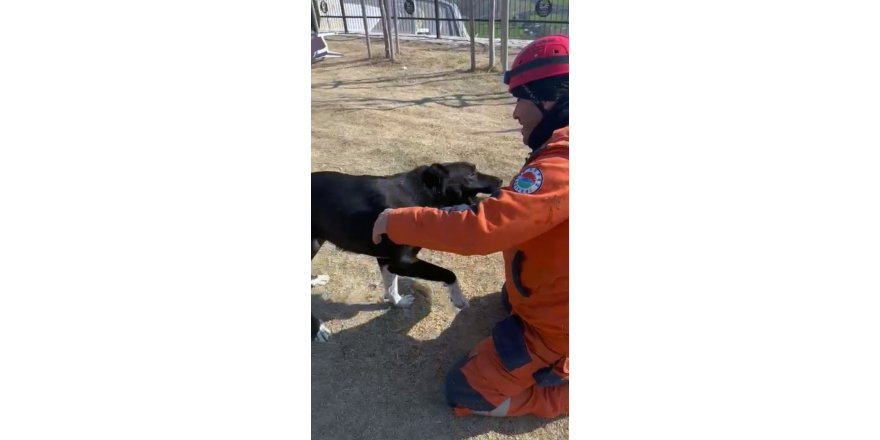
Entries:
{"x":459,"y":100}
{"x":374,"y":381}
{"x":397,"y":80}
{"x":327,"y":66}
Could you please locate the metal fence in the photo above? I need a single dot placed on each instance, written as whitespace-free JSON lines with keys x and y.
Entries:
{"x":529,"y":19}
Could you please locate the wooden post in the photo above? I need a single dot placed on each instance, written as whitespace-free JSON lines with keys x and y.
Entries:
{"x":505,"y":32}
{"x":366,"y":29}
{"x":388,"y":26}
{"x":473,"y":35}
{"x":491,"y":34}
{"x":384,"y":13}
{"x":396,"y":32}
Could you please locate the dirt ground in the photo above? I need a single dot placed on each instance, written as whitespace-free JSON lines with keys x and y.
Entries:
{"x":381,"y":375}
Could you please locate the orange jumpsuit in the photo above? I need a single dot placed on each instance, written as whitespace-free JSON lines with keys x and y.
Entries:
{"x":523,"y":367}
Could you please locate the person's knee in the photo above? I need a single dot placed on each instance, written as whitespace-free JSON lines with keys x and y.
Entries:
{"x":459,"y":393}
{"x":552,"y":402}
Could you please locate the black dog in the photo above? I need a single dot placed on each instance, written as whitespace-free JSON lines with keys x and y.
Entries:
{"x":344,"y":208}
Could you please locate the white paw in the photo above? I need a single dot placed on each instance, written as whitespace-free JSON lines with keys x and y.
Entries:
{"x":323,"y":334}
{"x":320,"y":280}
{"x":404,"y":302}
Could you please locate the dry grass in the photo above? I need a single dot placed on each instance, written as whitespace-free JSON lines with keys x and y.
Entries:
{"x":381,"y":376}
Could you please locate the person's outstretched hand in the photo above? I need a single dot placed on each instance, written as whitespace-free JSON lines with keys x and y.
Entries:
{"x":381,"y":226}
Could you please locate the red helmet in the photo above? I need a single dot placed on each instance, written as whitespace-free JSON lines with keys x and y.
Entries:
{"x":542,"y":58}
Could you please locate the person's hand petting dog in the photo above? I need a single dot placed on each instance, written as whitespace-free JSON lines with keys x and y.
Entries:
{"x":381,"y":226}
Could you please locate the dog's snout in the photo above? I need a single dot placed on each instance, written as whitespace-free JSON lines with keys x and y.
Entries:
{"x":492,"y":183}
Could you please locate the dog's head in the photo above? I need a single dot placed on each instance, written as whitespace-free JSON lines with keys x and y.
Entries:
{"x":457,"y":183}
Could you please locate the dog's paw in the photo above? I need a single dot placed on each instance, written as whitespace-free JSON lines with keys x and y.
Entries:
{"x":456,"y":297}
{"x":405,"y":301}
{"x":399,"y":301}
{"x":320,"y":280}
{"x":460,"y":303}
{"x":323,"y":334}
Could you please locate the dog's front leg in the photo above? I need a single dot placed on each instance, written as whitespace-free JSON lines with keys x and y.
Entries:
{"x":456,"y":296}
{"x":391,"y":294}
{"x":422,"y":269}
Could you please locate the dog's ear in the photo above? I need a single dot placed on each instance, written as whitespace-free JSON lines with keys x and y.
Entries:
{"x":435,"y":176}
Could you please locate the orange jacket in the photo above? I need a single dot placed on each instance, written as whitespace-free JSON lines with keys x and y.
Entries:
{"x":528,"y":222}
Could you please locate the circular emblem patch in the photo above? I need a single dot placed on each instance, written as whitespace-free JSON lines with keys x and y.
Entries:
{"x":409,"y":6}
{"x":528,"y":181}
{"x":324,"y":7}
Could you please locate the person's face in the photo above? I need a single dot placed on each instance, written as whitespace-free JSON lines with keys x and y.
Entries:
{"x":528,"y":115}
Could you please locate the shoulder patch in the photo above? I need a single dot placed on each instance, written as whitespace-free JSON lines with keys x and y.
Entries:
{"x":528,"y":181}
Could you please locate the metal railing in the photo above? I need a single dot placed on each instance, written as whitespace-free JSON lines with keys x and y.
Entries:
{"x":528,"y":19}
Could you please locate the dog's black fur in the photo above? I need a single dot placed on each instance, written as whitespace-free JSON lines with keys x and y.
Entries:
{"x":345,"y":207}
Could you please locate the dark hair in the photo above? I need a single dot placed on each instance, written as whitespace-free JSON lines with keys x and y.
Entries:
{"x":553,"y":89}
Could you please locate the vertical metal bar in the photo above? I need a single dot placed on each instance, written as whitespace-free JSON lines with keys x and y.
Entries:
{"x":344,"y":20}
{"x":396,"y":31}
{"x":505,"y":31}
{"x":491,"y":34}
{"x":437,"y":16}
{"x":366,"y":29}
{"x":473,"y":35}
